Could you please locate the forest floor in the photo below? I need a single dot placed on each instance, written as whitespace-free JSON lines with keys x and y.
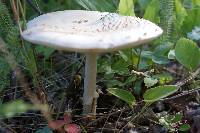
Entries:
{"x":113,"y":115}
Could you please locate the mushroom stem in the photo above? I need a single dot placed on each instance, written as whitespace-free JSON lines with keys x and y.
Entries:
{"x":90,"y":95}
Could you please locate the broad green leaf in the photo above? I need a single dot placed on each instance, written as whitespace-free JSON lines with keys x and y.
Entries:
{"x":120,"y":67}
{"x":149,"y":81}
{"x":104,"y":66}
{"x":163,"y":48}
{"x":113,"y":83}
{"x":123,"y":95}
{"x":144,"y":63}
{"x":127,"y":55}
{"x":130,"y":80}
{"x":187,"y":53}
{"x":144,"y":59}
{"x":123,"y":55}
{"x":191,"y":20}
{"x":157,"y":93}
{"x":160,"y":59}
{"x":152,"y":11}
{"x":160,"y":53}
{"x":184,"y":127}
{"x":126,"y":7}
{"x":147,"y":54}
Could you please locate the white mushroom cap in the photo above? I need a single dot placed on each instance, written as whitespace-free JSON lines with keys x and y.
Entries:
{"x":89,"y":31}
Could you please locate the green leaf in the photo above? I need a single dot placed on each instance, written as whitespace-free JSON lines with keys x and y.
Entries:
{"x":196,"y":3}
{"x":126,"y":7}
{"x":152,"y":11}
{"x":184,"y":127}
{"x":120,"y":67}
{"x":44,"y":130}
{"x":173,"y":118}
{"x":98,"y":5}
{"x":157,"y":93}
{"x":123,"y":95}
{"x":187,"y":53}
{"x":191,"y":20}
{"x":163,"y":48}
{"x":164,"y":78}
{"x":12,"y":108}
{"x":160,"y":59}
{"x":195,"y":34}
{"x":177,"y":117}
{"x":160,"y":53}
{"x":113,"y":82}
{"x":171,"y":54}
{"x":104,"y":66}
{"x":130,"y":80}
{"x":144,"y":3}
{"x":181,"y":13}
{"x":87,"y":4}
{"x":149,"y":81}
{"x":123,"y":55}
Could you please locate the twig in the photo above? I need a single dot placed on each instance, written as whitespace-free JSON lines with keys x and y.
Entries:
{"x":118,"y":120}
{"x":104,"y":117}
{"x":107,"y":118}
{"x":138,"y":115}
{"x":185,"y":81}
{"x":8,"y":127}
{"x":184,"y":93}
{"x":143,"y":74}
{"x":139,"y":73}
{"x":16,"y":14}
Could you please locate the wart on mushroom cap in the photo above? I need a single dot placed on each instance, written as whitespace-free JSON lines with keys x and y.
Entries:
{"x":90,"y":32}
{"x":82,"y":31}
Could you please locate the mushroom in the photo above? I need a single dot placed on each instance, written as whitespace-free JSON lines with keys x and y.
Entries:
{"x":89,"y":32}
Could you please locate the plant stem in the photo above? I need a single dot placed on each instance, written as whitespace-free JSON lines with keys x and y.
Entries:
{"x":90,"y":95}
